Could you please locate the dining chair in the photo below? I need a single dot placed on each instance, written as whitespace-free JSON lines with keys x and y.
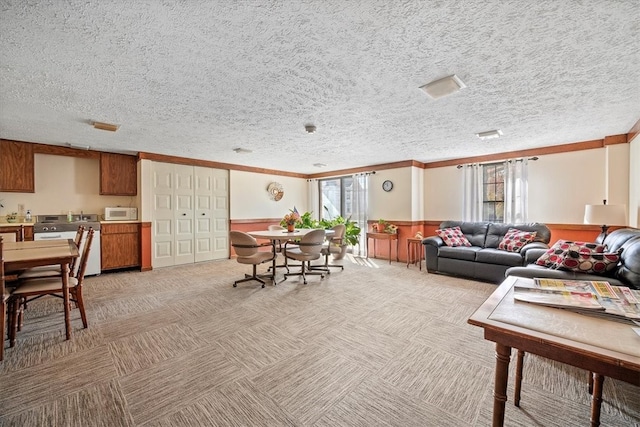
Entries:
{"x":332,"y":245}
{"x":306,"y":250}
{"x":32,"y":289}
{"x":16,"y":234}
{"x":54,"y":270}
{"x":3,"y":304}
{"x":248,"y":251}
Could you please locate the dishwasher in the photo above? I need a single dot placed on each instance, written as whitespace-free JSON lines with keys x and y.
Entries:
{"x":50,"y":227}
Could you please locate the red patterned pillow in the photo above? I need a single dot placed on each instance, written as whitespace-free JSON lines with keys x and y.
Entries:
{"x":515,"y":239}
{"x":453,"y":236}
{"x":593,"y":263}
{"x":552,"y":258}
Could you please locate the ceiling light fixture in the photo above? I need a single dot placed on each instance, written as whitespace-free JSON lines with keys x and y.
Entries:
{"x":240,"y":150}
{"x":310,"y":128}
{"x":105,"y":126}
{"x":319,"y":165}
{"x":490,"y":134}
{"x":443,"y":87}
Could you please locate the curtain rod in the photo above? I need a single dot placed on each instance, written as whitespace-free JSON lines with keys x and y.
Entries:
{"x":534,"y":158}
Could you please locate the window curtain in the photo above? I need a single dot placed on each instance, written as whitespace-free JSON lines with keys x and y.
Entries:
{"x":313,"y":194}
{"x":472,"y":197}
{"x":360,"y":207}
{"x":516,"y":184}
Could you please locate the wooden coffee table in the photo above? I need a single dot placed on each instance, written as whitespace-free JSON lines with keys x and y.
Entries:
{"x":604,"y":347}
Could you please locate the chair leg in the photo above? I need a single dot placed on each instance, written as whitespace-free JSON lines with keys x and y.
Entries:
{"x":13,"y":310}
{"x":80,"y":303}
{"x":248,"y":278}
{"x":3,"y":322}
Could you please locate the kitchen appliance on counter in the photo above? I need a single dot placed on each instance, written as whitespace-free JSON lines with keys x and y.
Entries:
{"x":120,"y":214}
{"x":49,"y":227}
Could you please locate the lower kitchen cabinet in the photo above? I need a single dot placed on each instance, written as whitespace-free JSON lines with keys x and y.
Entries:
{"x":120,"y":245}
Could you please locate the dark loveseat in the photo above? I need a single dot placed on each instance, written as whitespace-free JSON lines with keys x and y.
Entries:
{"x":626,"y":272}
{"x":482,"y":260}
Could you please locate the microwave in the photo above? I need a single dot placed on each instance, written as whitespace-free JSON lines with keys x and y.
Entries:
{"x":120,"y":214}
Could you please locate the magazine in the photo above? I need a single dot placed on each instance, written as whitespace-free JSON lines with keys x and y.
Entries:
{"x":598,"y":298}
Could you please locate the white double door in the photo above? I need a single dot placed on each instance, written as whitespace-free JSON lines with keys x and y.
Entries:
{"x":190,"y":214}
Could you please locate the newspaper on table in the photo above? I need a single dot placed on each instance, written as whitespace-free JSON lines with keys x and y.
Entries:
{"x":598,"y":298}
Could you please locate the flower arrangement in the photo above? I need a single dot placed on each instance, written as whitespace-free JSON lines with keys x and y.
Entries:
{"x":386,"y":227}
{"x":291,"y":218}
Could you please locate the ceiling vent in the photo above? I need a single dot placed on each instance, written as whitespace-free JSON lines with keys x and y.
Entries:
{"x":443,"y":87}
{"x":105,"y":126}
{"x":490,"y":134}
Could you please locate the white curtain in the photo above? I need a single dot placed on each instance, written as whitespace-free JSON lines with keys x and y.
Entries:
{"x":360,"y":207}
{"x":516,"y":184}
{"x":472,"y":197}
{"x":313,"y":201}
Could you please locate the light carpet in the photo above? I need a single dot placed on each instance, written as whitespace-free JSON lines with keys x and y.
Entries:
{"x":373,"y":345}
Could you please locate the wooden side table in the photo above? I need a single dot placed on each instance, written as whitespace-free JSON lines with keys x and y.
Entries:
{"x":383,"y":236}
{"x":414,"y":251}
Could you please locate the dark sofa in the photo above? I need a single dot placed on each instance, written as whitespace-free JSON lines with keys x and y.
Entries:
{"x":626,"y":273}
{"x":483,"y":260}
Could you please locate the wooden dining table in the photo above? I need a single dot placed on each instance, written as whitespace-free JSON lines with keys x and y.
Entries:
{"x":28,"y":254}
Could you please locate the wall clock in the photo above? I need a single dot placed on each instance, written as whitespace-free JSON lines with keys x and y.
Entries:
{"x":275,"y":191}
{"x":387,"y":185}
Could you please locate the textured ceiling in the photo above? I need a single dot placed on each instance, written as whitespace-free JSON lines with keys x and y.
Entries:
{"x":198,"y":78}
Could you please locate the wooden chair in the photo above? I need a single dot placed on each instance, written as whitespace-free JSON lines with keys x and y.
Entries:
{"x":306,"y":250}
{"x":3,"y":303}
{"x":53,"y":270}
{"x":248,"y":251}
{"x":14,"y":233}
{"x":31,"y":289}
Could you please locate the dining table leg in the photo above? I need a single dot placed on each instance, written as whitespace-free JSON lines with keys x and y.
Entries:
{"x":64,"y":268}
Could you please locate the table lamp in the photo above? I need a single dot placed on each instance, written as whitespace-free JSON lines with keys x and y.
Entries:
{"x":606,"y":215}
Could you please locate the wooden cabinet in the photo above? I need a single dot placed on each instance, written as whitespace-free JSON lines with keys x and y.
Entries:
{"x":17,"y":171}
{"x":118,"y":174}
{"x":120,"y":245}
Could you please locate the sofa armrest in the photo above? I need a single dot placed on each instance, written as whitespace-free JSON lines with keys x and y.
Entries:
{"x":532,"y":251}
{"x":432,"y":245}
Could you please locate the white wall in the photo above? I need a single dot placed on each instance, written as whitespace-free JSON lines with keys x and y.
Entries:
{"x":443,"y":193}
{"x":634,"y":182}
{"x":561,"y":184}
{"x":249,"y":198}
{"x":395,"y":205}
{"x":64,"y":183}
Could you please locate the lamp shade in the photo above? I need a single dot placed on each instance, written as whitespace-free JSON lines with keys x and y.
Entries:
{"x":605,"y":214}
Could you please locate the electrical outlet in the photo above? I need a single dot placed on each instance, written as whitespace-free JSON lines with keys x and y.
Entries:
{"x":20,"y":208}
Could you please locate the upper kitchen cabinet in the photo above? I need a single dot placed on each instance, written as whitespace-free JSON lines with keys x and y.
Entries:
{"x":17,"y":171}
{"x":118,"y":175}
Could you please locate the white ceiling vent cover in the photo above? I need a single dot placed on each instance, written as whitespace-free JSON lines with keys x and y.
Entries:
{"x":443,"y":87}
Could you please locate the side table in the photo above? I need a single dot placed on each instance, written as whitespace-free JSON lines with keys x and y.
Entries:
{"x":383,"y":236}
{"x":414,"y":251}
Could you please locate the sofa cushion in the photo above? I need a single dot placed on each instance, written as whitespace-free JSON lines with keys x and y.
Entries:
{"x":590,"y":263}
{"x":515,"y":239}
{"x":552,"y":258}
{"x":475,"y":232}
{"x":459,"y":252}
{"x":498,"y":256}
{"x":453,"y":237}
{"x":496,"y":232}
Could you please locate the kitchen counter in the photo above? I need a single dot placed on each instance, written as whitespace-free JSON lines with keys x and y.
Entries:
{"x":16,"y":224}
{"x":133,"y":221}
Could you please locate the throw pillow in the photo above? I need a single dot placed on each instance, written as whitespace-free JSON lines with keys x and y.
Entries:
{"x":515,"y":239}
{"x":592,"y":263}
{"x":552,"y":258}
{"x":453,"y":236}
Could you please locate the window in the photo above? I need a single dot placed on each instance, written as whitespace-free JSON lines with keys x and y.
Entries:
{"x":336,"y":197}
{"x":493,"y":192}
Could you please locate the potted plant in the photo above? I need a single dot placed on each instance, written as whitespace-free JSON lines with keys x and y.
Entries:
{"x":351,"y":234}
{"x":381,"y":226}
{"x":12,"y":217}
